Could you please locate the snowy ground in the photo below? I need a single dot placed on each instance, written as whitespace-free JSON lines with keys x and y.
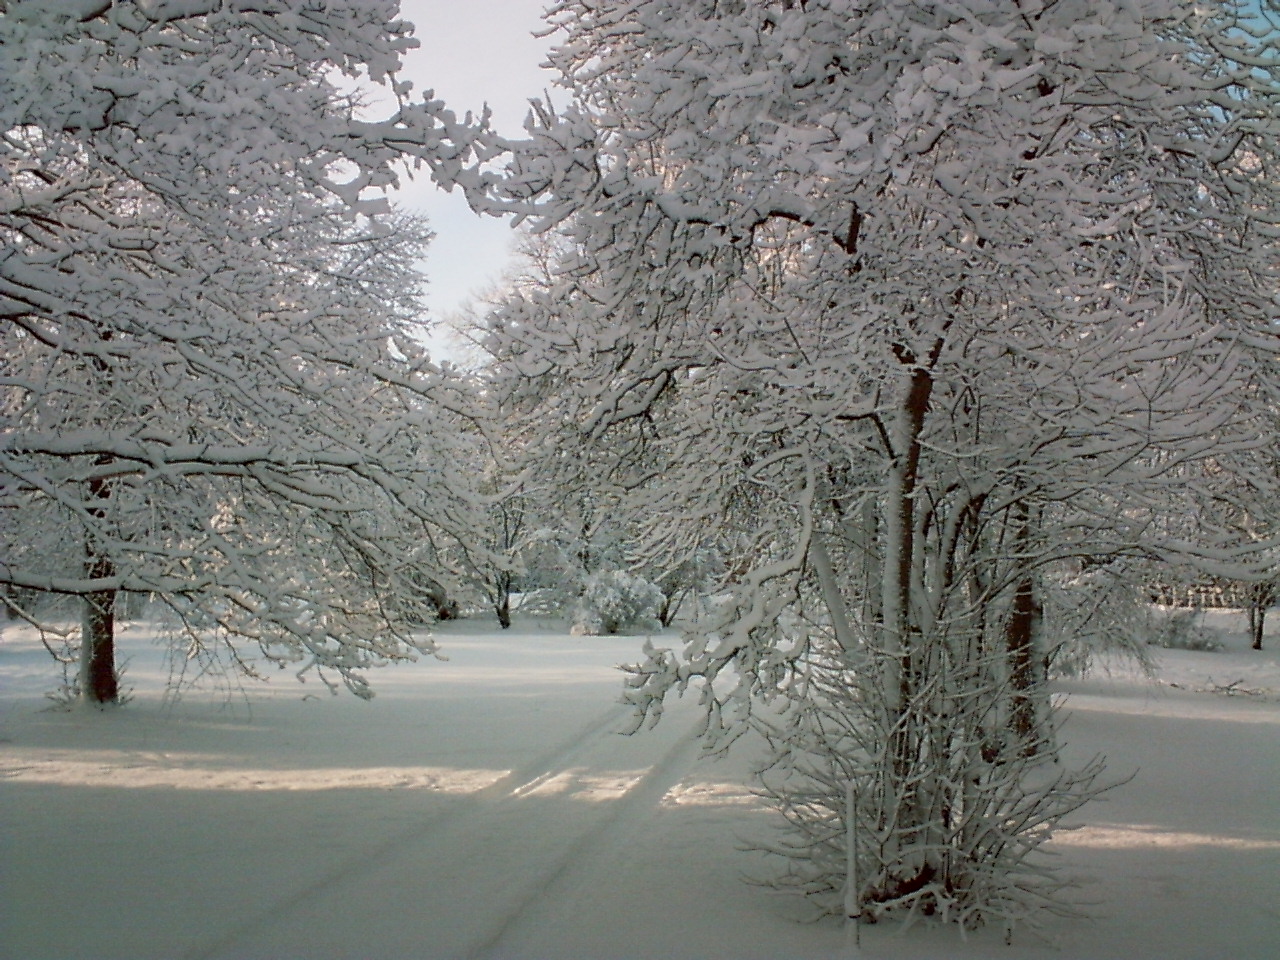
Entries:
{"x":486,"y":807}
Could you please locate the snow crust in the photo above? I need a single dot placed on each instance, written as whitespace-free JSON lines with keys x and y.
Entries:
{"x":486,"y":807}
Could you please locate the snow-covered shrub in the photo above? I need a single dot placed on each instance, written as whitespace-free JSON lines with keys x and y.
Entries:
{"x":614,"y":600}
{"x":955,"y":832}
{"x":1101,"y":611}
{"x":1180,"y":630}
{"x":552,"y":573}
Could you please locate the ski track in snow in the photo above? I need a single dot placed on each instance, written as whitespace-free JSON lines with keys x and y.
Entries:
{"x":633,"y":806}
{"x":521,"y":814}
{"x":488,"y":809}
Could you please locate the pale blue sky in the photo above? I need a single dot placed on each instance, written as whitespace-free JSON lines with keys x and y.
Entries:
{"x":473,"y":51}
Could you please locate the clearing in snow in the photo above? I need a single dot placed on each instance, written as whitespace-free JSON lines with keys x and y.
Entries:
{"x":487,"y":807}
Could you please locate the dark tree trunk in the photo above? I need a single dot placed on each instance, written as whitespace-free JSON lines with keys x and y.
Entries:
{"x":671,"y":605}
{"x":500,"y":594}
{"x":99,"y":682}
{"x":1020,"y":636}
{"x":1020,"y":645}
{"x":666,"y":612}
{"x":915,"y":407}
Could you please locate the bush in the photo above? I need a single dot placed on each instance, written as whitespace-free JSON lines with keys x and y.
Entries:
{"x":952,"y":827}
{"x":1180,"y":630}
{"x":1099,"y":613}
{"x":614,"y":600}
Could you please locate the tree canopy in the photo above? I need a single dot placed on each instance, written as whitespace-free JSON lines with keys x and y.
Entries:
{"x":937,"y":308}
{"x":212,"y":391}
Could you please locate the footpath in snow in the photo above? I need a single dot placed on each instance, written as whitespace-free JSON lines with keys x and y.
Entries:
{"x":486,"y":807}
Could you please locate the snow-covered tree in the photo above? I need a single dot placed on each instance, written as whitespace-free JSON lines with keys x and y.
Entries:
{"x":556,"y":510}
{"x":614,"y":600}
{"x":209,"y":383}
{"x":923,"y":302}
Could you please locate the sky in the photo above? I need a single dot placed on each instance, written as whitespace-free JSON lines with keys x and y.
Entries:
{"x":473,"y":52}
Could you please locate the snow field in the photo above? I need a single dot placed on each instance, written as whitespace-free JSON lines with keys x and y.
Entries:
{"x":485,"y":807}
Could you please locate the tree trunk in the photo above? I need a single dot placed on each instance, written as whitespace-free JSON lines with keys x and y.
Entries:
{"x":833,"y":600}
{"x":906,"y":800}
{"x":666,"y":613}
{"x":1259,"y":599}
{"x":503,"y":605}
{"x":1020,"y":645}
{"x":98,"y":680}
